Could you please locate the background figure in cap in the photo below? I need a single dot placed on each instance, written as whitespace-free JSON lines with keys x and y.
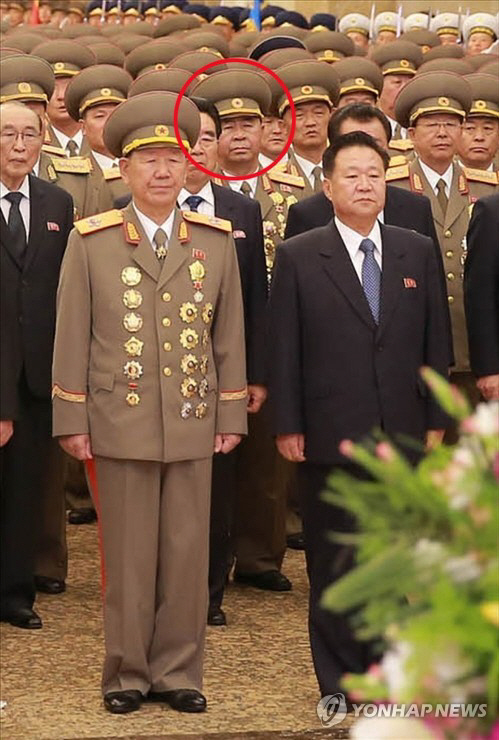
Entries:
{"x":139,"y":350}
{"x":36,"y":219}
{"x":479,"y":142}
{"x":385,"y":27}
{"x":481,"y":295}
{"x":356,"y":26}
{"x":361,"y":81}
{"x":15,"y":13}
{"x":322,"y":22}
{"x":480,"y":31}
{"x":447,"y":26}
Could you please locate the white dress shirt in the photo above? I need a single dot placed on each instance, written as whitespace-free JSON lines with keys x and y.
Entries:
{"x":104,"y":161}
{"x":236,"y":185}
{"x":265,"y":161}
{"x":23,"y":205}
{"x":150,"y":227}
{"x":433,"y":177}
{"x":393,"y":124}
{"x":307,"y":167}
{"x":352,"y":240}
{"x":63,"y":139}
{"x":207,"y":205}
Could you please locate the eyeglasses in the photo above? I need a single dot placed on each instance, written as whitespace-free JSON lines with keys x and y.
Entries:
{"x":28,"y":137}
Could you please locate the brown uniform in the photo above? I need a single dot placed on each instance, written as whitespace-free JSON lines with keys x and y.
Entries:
{"x":149,"y":360}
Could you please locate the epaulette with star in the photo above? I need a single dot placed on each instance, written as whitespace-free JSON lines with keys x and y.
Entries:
{"x":397,"y":160}
{"x":402,"y":145}
{"x":474,"y":175}
{"x":72,"y":165}
{"x":216,"y":223}
{"x":286,"y":178}
{"x":100,"y":221}
{"x":111,"y":173}
{"x":400,"y":172}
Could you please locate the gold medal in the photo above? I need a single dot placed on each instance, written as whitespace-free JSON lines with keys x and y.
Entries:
{"x":131,"y":275}
{"x":189,"y":338}
{"x":207,"y":313}
{"x":133,"y":322}
{"x":201,"y":410}
{"x":203,"y":388}
{"x":203,"y":365}
{"x":276,"y":198}
{"x":186,"y":410}
{"x":132,"y":298}
{"x":188,"y":387}
{"x":132,"y":398}
{"x":188,"y":312}
{"x":281,"y":218}
{"x":189,"y":364}
{"x":133,"y":369}
{"x":196,"y":270}
{"x":291,"y":200}
{"x":205,"y":338}
{"x":133,"y":347}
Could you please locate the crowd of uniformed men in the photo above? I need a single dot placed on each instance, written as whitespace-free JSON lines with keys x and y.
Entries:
{"x":102,"y":79}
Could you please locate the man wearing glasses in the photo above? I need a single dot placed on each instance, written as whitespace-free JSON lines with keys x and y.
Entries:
{"x":36,"y":218}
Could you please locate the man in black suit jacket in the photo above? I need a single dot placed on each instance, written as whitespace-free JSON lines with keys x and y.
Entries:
{"x":481,"y":295}
{"x":36,"y":218}
{"x":348,"y":334}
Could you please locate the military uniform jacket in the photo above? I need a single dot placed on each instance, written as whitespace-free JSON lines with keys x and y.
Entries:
{"x":108,"y":182}
{"x":149,"y":356}
{"x":294,"y":168}
{"x":451,"y":232}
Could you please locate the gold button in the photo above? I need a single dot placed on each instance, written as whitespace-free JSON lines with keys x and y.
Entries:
{"x":167,"y":371}
{"x":166,"y":297}
{"x":166,"y":321}
{"x":450,"y":298}
{"x":449,"y":253}
{"x":450,"y":276}
{"x":448,"y":233}
{"x":167,"y":346}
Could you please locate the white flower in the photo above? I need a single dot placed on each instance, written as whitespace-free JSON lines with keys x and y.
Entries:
{"x":394,"y":668}
{"x":485,"y":420}
{"x":448,"y":665}
{"x":428,"y":553}
{"x":463,"y":457}
{"x":463,"y":568}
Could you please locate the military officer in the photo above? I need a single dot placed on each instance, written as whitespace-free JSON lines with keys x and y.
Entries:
{"x":90,"y":99}
{"x":314,"y":88}
{"x":148,"y":380}
{"x":477,"y":148}
{"x":153,"y":55}
{"x":356,"y":26}
{"x":329,"y":46}
{"x":480,"y":30}
{"x":433,"y":107}
{"x":361,"y":81}
{"x":398,"y":62}
{"x":447,"y":27}
{"x":385,"y":27}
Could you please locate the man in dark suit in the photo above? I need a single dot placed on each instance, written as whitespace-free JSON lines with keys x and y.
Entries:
{"x":481,"y":295}
{"x":355,"y":311}
{"x":36,"y":218}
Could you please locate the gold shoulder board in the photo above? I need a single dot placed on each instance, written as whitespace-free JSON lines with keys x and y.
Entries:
{"x":397,"y":160}
{"x":286,"y":178}
{"x":217,"y":223}
{"x":480,"y":175}
{"x":401,"y":145}
{"x":72,"y":165}
{"x":397,"y":173}
{"x":111,"y":173}
{"x":56,"y":151}
{"x":99,"y":221}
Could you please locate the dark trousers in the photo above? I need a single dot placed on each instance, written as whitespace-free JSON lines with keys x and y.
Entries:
{"x":23,"y":460}
{"x":223,"y":495}
{"x":335,"y":649}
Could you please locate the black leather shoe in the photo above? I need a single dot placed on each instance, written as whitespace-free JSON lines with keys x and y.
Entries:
{"x":86,"y":515}
{"x":183,"y":700}
{"x":270,"y":580}
{"x":49,"y":585}
{"x":122,"y":702}
{"x":296,"y":541}
{"x":216,"y":616}
{"x":23,"y":617}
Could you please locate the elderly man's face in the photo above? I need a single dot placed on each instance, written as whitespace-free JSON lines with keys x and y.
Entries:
{"x":479,"y":141}
{"x":275,"y":132}
{"x":93,"y":126}
{"x":311,"y":124}
{"x":356,"y":187}
{"x":20,"y":143}
{"x":155,"y":175}
{"x":240,"y":140}
{"x":435,"y":137}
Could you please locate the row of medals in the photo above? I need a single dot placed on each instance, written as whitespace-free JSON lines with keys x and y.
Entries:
{"x":189,"y":338}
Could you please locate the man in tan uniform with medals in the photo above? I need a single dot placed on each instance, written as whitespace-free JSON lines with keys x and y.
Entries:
{"x":148,"y":380}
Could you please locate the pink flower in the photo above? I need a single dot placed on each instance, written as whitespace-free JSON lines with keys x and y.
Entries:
{"x":385,"y":452}
{"x":346,"y":447}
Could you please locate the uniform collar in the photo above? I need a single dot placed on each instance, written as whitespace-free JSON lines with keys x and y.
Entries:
{"x":150,"y":227}
{"x":24,"y":189}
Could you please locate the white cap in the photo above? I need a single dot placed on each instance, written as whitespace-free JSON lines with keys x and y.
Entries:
{"x":386,"y":21}
{"x":480,"y":22}
{"x":354,"y":22}
{"x":415,"y":21}
{"x":445,"y":23}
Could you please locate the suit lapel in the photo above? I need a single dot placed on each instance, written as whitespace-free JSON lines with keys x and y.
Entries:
{"x":223,"y":209}
{"x":37,"y":221}
{"x":142,"y":253}
{"x":391,"y":278}
{"x":457,"y":201}
{"x":339,"y":268}
{"x":178,"y":253}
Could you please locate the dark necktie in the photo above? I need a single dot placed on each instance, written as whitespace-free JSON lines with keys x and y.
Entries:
{"x":317,"y":172}
{"x":160,"y":246}
{"x":72,"y":148}
{"x":194,"y":201}
{"x":371,"y":277}
{"x":397,"y":133}
{"x":245,"y":188}
{"x":441,"y":196}
{"x":16,"y":224}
